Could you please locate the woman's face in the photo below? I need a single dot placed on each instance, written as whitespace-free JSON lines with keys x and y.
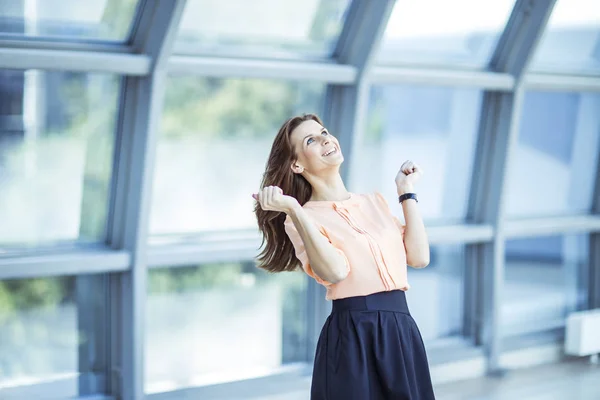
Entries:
{"x":317,"y":150}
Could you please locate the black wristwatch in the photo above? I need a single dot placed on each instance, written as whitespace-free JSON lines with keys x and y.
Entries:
{"x":406,"y":196}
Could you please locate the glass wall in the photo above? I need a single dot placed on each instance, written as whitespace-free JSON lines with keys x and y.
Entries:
{"x":108,"y":20}
{"x":545,"y":281}
{"x":460,"y":33}
{"x":57,"y":133}
{"x":215,"y":137}
{"x":107,"y":294}
{"x":436,"y":127}
{"x":51,"y":333}
{"x":291,"y":29}
{"x":559,"y":138}
{"x":436,"y":297}
{"x":573,"y":29}
{"x":222,"y":322}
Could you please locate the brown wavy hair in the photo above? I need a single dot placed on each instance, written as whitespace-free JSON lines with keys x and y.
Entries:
{"x":278,"y":255}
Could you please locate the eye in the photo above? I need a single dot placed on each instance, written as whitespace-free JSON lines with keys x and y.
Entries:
{"x":309,"y":140}
{"x":324,"y":133}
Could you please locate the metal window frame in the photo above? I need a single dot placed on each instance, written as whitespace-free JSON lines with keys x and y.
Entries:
{"x":135,"y":152}
{"x":594,"y":265}
{"x":145,"y":61}
{"x":499,"y":128}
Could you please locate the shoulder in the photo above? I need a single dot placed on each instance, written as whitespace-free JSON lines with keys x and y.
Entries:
{"x":379,"y":201}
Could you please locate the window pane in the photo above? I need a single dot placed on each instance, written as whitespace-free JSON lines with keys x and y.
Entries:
{"x":571,"y":41}
{"x":216,"y":135}
{"x":436,"y":127}
{"x":56,"y":140}
{"x":222,"y":322}
{"x":432,"y":32}
{"x":553,"y":169}
{"x":108,"y":20}
{"x":436,"y":295}
{"x":50,"y":330}
{"x":545,"y":280}
{"x":269,"y":27}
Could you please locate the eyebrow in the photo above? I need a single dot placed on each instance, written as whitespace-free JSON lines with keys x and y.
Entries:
{"x":310,"y":134}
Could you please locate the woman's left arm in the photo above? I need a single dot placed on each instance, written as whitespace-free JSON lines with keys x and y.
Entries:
{"x":415,"y":236}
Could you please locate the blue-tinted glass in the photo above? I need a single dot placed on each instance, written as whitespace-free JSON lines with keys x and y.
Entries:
{"x":571,"y":41}
{"x":216,"y":135}
{"x":436,"y":127}
{"x":109,"y":20}
{"x":553,"y":168}
{"x":57,"y":133}
{"x":261,"y":28}
{"x":461,"y":33}
{"x":545,"y":280}
{"x":436,"y":294}
{"x":222,"y":322}
{"x":51,"y":332}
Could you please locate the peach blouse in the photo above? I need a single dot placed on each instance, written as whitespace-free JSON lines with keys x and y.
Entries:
{"x":367,"y":234}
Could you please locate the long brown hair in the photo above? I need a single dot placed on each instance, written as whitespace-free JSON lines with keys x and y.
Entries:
{"x":278,"y":255}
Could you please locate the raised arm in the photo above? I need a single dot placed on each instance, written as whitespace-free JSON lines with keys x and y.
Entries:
{"x":319,"y":257}
{"x":416,"y":242}
{"x":322,"y":258}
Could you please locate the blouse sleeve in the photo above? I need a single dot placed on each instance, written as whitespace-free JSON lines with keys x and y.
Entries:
{"x":384,"y":204}
{"x":292,"y":232}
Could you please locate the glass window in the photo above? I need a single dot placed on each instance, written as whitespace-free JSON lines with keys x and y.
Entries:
{"x":216,"y":135}
{"x":436,"y":127}
{"x":436,"y":295}
{"x":571,"y":41}
{"x":268,"y":27}
{"x":215,"y":323}
{"x":545,"y":281}
{"x":57,"y":133}
{"x":50,"y":330}
{"x":437,"y":32}
{"x":108,"y":20}
{"x":552,"y":171}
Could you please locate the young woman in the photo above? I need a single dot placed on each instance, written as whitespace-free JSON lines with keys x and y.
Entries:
{"x":370,"y":347}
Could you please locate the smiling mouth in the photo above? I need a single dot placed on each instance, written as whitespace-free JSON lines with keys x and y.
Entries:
{"x":330,"y":152}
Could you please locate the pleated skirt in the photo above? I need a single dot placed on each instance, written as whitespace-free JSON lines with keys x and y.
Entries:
{"x":370,"y":348}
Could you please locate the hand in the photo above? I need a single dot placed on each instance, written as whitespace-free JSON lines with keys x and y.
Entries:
{"x":408,"y":175}
{"x":271,"y":198}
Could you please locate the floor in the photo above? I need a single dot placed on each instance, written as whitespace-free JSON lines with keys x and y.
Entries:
{"x":573,"y":380}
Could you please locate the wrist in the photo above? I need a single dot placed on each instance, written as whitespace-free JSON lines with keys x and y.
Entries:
{"x":402,"y":189}
{"x":293,"y":210}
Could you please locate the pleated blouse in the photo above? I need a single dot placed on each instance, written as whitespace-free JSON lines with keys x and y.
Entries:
{"x":371,"y":239}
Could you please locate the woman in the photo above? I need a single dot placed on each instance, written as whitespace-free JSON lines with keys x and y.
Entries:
{"x":370,"y":347}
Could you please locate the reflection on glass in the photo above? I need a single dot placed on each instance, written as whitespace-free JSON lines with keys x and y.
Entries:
{"x":544,"y":281}
{"x":48,"y":330}
{"x":69,"y":19}
{"x":57,"y":133}
{"x":222,"y":322}
{"x":433,"y":126}
{"x":571,"y":41}
{"x":216,"y":135}
{"x":435,"y":299}
{"x":552,"y":170}
{"x":253,"y":28}
{"x":438,"y":32}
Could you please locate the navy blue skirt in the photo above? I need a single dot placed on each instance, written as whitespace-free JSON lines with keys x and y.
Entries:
{"x":371,"y":349}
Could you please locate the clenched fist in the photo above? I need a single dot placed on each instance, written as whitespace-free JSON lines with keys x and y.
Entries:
{"x":271,"y":198}
{"x":408,"y":175}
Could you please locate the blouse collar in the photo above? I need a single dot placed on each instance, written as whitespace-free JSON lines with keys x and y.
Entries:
{"x":353,"y":200}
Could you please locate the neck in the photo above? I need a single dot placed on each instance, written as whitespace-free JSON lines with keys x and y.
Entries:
{"x":329,"y":188}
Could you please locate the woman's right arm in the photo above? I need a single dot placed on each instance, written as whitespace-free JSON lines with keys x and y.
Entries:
{"x":318,"y":255}
{"x":326,"y":261}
